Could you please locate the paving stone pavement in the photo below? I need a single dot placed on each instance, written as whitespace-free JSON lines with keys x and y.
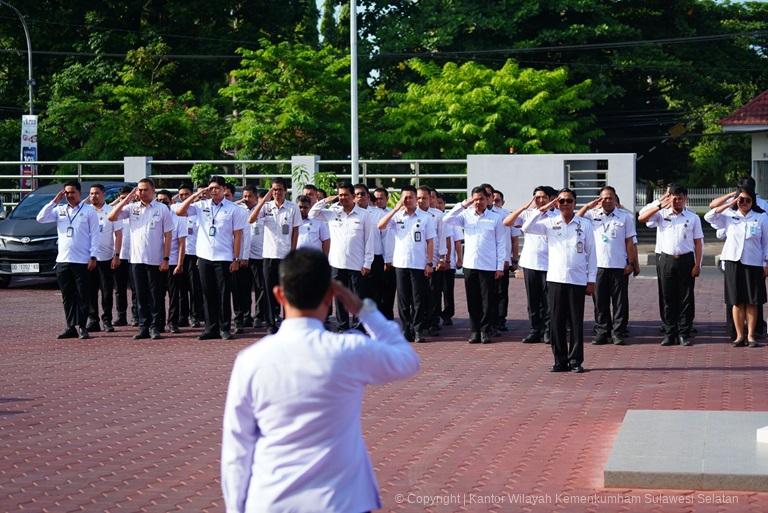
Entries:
{"x":115,"y":425}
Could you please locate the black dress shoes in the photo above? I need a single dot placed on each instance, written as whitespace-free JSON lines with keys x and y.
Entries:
{"x":558,"y":368}
{"x":226,"y":335}
{"x":668,"y":341}
{"x":142,"y":334}
{"x":532,"y":338}
{"x":474,"y":338}
{"x":207,"y":335}
{"x":93,"y":327}
{"x":154,"y":334}
{"x":685,"y":341}
{"x":67,"y":333}
{"x":485,"y":338}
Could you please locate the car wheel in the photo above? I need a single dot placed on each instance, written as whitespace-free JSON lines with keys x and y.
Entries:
{"x":4,"y":281}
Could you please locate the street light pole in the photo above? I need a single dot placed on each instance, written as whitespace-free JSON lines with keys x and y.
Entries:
{"x":30,"y":80}
{"x":353,"y":90}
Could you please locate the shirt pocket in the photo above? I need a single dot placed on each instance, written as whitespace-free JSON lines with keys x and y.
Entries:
{"x":752,"y":229}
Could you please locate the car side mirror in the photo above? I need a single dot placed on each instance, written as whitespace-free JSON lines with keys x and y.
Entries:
{"x":3,"y":214}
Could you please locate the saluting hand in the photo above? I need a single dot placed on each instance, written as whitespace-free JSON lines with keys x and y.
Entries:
{"x":346,"y":297}
{"x":331,"y":199}
{"x":59,"y":196}
{"x":595,"y":203}
{"x":549,"y":205}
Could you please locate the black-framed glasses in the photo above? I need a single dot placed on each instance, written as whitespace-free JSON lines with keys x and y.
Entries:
{"x":565,"y":200}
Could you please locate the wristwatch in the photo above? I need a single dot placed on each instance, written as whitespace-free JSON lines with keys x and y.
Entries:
{"x":167,"y":258}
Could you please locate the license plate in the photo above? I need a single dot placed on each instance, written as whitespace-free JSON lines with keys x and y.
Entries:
{"x":25,"y":268}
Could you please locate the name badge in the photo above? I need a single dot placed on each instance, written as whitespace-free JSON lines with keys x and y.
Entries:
{"x":256,"y":230}
{"x":579,"y":247}
{"x":605,"y":238}
{"x":101,"y":228}
{"x":417,"y":236}
{"x":212,"y":231}
{"x":286,"y":229}
{"x":70,"y":231}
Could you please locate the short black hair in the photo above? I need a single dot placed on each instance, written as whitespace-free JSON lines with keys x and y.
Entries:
{"x":364,"y":187}
{"x":310,"y":187}
{"x":250,"y":188}
{"x":551,"y":191}
{"x":608,"y":188}
{"x":165,"y":192}
{"x":125,"y":189}
{"x":382,"y":190}
{"x":478,"y":189}
{"x":231,"y":187}
{"x":746,"y":181}
{"x":425,"y":188}
{"x":348,"y":187}
{"x":185,"y":186}
{"x":303,"y":198}
{"x":149,"y":181}
{"x":280,"y":181}
{"x":569,"y":191}
{"x":218,"y":180}
{"x":261,"y":193}
{"x":440,"y":195}
{"x":496,"y":191}
{"x":679,"y":190}
{"x":75,"y":184}
{"x":99,"y":187}
{"x":301,"y":267}
{"x":408,"y":188}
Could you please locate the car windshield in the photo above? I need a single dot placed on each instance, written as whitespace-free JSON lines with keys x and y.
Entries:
{"x":30,"y":206}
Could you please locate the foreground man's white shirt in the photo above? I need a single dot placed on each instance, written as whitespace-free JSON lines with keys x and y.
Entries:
{"x":293,"y":439}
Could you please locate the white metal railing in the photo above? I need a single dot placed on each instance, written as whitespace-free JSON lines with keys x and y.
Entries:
{"x":698,"y":197}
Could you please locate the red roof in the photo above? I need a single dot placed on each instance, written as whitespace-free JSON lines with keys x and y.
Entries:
{"x":753,"y":113}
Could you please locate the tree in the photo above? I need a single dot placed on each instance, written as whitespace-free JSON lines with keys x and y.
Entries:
{"x":470,"y":108}
{"x":290,"y":99}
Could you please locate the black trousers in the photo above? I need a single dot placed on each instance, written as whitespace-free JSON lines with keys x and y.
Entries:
{"x":566,"y":310}
{"x":101,"y":280}
{"x":658,"y":286}
{"x":611,"y":296}
{"x":354,"y":281}
{"x":73,"y":282}
{"x":374,"y":282}
{"x":536,"y":291}
{"x":148,"y":283}
{"x":436,"y":286}
{"x":241,"y":296}
{"x":123,"y":282}
{"x":677,"y":294}
{"x":259,"y":288}
{"x":480,"y":287}
{"x":216,"y":280}
{"x":412,"y":299}
{"x":449,"y":305}
{"x":196,"y":312}
{"x":389,"y":287}
{"x":502,"y":298}
{"x":271,"y":278}
{"x":176,"y":284}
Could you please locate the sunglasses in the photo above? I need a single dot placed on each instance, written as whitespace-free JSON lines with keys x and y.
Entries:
{"x":744,"y":200}
{"x":565,"y":200}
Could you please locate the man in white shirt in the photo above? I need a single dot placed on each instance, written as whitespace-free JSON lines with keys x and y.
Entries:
{"x":415,"y":234}
{"x":102,"y":279}
{"x":511,"y":237}
{"x":150,"y":224}
{"x":292,"y":436}
{"x":123,"y":278}
{"x":352,"y":235}
{"x":77,"y":226}
{"x":219,"y":235}
{"x":174,"y":276}
{"x":571,"y":275}
{"x":388,"y":280}
{"x":484,"y":255}
{"x":251,"y":196}
{"x":191,"y":303}
{"x":281,"y":234}
{"x":614,"y":233}
{"x":374,"y":282}
{"x":313,"y":233}
{"x":535,"y":262}
{"x":425,"y":201}
{"x":681,"y":242}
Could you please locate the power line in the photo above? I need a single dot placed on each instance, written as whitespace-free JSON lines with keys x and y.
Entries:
{"x":120,"y":55}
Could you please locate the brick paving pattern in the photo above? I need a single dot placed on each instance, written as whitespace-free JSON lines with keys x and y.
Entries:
{"x":115,"y":425}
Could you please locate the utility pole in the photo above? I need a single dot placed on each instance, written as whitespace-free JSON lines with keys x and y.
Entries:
{"x":355,"y":150}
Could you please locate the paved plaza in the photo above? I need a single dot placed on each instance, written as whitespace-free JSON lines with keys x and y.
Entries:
{"x":116,"y":425}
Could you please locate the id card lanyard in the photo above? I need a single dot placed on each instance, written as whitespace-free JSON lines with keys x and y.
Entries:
{"x":212,"y":228}
{"x":70,"y":228}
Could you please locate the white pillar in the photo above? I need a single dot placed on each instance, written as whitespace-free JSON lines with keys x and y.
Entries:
{"x":136,"y":168}
{"x":353,"y":90}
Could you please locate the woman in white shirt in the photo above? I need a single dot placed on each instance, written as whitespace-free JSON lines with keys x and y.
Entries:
{"x":745,"y":254}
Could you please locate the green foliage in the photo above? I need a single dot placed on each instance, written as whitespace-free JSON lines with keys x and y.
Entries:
{"x":470,"y":108}
{"x":291,"y":99}
{"x":326,"y":180}
{"x":201,"y":173}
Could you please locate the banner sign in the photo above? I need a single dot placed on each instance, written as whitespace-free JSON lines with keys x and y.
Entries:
{"x":28,"y":151}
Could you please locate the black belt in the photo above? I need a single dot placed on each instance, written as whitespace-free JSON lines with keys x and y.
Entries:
{"x":675,"y":257}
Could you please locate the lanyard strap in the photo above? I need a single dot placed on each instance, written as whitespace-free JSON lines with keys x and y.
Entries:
{"x":72,"y":219}
{"x":213,"y":216}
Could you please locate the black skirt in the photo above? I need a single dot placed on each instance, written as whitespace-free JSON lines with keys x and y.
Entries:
{"x":744,"y":284}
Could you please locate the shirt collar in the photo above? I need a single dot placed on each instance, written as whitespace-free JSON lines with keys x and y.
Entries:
{"x":301,"y":324}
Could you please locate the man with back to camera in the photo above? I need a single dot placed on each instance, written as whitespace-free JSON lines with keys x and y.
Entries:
{"x":292,"y":435}
{"x":78,"y":229}
{"x":219,"y":235}
{"x":150,"y":225}
{"x":102,"y":279}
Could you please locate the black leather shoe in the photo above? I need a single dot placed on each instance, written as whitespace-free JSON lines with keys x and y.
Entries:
{"x":577,"y":369}
{"x":618,"y":341}
{"x":142,"y":334}
{"x":67,"y":333}
{"x":668,"y":341}
{"x":121,"y":321}
{"x":754,"y":343}
{"x":195,"y":324}
{"x":173,"y":328}
{"x":474,"y":338}
{"x":547,"y":338}
{"x":154,"y":334}
{"x":238,"y":330}
{"x":93,"y":327}
{"x":82,"y":333}
{"x":419,"y":338}
{"x":739,"y":343}
{"x":135,"y":323}
{"x":685,"y":341}
{"x":558,"y":368}
{"x":226,"y":335}
{"x":108,"y":327}
{"x":208,"y":336}
{"x":600,"y":341}
{"x":532,"y":338}
{"x":485,"y":338}
{"x":447,"y":321}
